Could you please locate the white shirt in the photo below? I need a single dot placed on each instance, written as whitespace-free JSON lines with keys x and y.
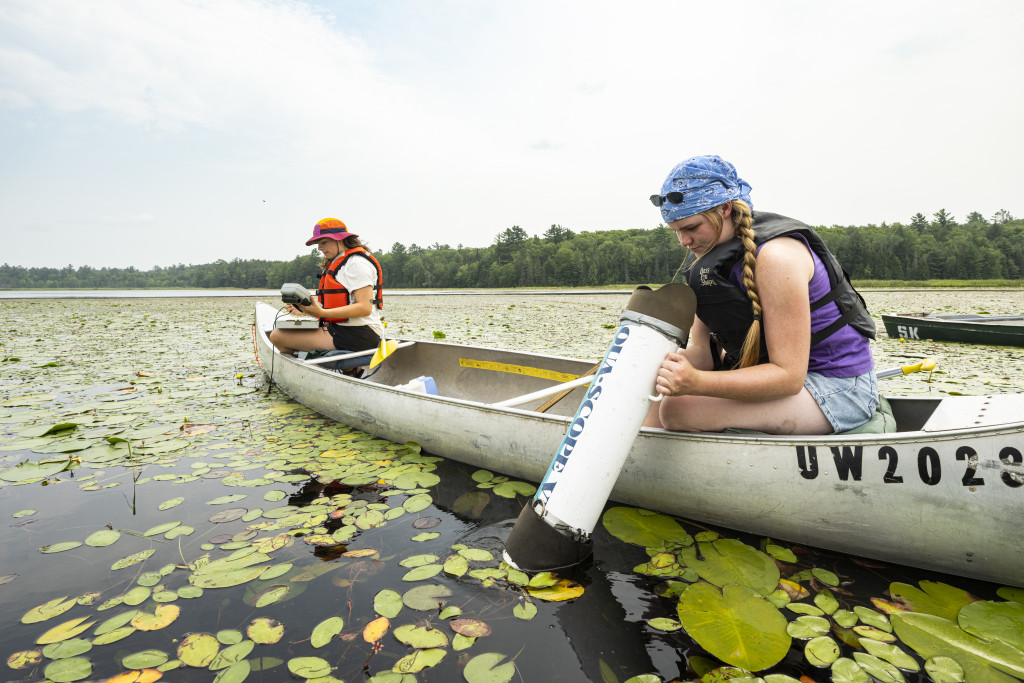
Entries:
{"x":358,"y":272}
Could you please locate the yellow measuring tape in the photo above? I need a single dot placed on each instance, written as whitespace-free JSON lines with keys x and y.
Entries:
{"x":553,"y":375}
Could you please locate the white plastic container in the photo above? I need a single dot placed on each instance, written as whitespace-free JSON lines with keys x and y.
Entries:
{"x":420,"y":385}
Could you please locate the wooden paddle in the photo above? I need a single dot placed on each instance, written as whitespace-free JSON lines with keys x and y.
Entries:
{"x":562,"y":394}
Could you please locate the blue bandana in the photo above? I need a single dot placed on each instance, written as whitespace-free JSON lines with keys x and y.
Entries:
{"x":705,"y":181}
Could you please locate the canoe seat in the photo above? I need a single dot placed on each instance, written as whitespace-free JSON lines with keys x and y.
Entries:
{"x":882,"y":422}
{"x":346,"y":364}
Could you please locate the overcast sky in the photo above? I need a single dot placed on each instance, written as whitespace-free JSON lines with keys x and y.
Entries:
{"x":155,"y":132}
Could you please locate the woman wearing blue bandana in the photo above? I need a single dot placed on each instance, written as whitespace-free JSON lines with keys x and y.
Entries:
{"x":774,"y":309}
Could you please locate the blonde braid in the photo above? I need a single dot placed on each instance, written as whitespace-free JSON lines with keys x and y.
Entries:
{"x":744,"y":222}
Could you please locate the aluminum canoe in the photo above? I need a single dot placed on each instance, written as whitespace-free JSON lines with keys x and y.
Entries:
{"x":945,"y":492}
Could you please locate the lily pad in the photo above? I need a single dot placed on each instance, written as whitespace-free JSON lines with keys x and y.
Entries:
{"x":872,"y":618}
{"x":932,"y":597}
{"x":48,"y":610}
{"x":943,"y":669}
{"x":932,"y":636}
{"x":270,"y":595}
{"x":137,"y":595}
{"x":489,"y":667}
{"x":421,"y":637}
{"x":560,"y":591}
{"x":729,"y":561}
{"x":173,"y":502}
{"x":511,"y":489}
{"x":376,"y":629}
{"x":419,"y":660}
{"x":387,"y":603}
{"x":426,"y":598}
{"x":826,"y":601}
{"x":525,"y":611}
{"x":116,"y":621}
{"x":67,"y":648}
{"x":163,"y":615}
{"x":988,"y":620}
{"x":821,"y":651}
{"x":780,"y":553}
{"x":198,"y":649}
{"x":807,"y":627}
{"x":144,"y":659}
{"x":309,"y":667}
{"x":265,"y":631}
{"x":845,"y":670}
{"x":825,"y":576}
{"x":69,"y":629}
{"x":114,"y":636}
{"x":132,"y":559}
{"x":68,"y":670}
{"x":160,"y":528}
{"x":232,"y":655}
{"x":236,"y":673}
{"x":891,"y":653}
{"x":326,"y":630}
{"x":879,"y":669}
{"x":102,"y":538}
{"x":59,"y":547}
{"x":471,"y":628}
{"x":226,"y":499}
{"x":421,"y":573}
{"x":736,"y":625}
{"x":642,"y":527}
{"x":25,"y":659}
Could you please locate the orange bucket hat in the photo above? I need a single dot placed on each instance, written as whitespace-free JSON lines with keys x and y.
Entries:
{"x":330,"y":227}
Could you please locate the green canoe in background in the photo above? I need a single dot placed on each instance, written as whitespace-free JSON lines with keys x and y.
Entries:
{"x":1002,"y":330}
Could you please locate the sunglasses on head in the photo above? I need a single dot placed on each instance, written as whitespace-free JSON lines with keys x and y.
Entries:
{"x":680,"y":197}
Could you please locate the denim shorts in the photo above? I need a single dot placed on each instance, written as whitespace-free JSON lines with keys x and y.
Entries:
{"x":847,"y":402}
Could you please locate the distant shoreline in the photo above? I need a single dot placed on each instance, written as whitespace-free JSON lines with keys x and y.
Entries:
{"x":48,"y":294}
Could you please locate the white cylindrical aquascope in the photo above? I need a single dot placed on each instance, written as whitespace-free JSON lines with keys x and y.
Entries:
{"x":554,"y":529}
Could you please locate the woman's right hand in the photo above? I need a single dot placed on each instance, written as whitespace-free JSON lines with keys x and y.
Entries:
{"x":677,"y":377}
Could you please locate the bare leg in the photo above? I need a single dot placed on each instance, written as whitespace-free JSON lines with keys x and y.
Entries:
{"x":798,"y":414}
{"x":653,"y":418}
{"x":290,"y":341}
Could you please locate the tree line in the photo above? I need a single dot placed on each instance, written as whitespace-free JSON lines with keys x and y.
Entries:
{"x":937,"y":249}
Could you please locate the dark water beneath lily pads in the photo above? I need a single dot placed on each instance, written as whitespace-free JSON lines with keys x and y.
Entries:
{"x":288,"y":520}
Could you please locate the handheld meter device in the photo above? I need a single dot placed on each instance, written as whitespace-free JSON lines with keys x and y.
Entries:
{"x":292,"y":293}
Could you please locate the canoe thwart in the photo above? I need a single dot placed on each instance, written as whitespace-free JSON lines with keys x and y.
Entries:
{"x":542,"y":393}
{"x":353,"y":354}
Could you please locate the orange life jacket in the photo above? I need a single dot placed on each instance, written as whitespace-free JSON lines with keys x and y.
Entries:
{"x":332,"y":294}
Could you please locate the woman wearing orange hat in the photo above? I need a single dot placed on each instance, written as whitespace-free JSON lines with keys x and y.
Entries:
{"x":348,"y":299}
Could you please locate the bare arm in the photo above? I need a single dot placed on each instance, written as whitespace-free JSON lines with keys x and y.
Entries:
{"x":784,"y":267}
{"x":359,"y":307}
{"x":698,"y":350}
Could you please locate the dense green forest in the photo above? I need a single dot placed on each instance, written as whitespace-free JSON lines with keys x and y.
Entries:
{"x":936,"y":249}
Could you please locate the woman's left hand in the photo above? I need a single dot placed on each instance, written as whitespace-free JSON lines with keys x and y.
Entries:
{"x":677,"y":377}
